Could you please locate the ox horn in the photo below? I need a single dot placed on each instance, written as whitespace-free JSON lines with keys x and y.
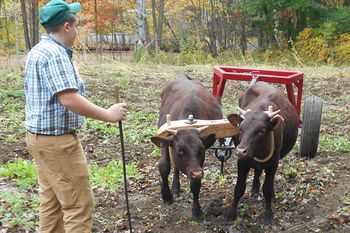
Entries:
{"x":270,"y":111}
{"x":171,"y":131}
{"x":272,"y":114}
{"x":279,"y":117}
{"x":201,"y":129}
{"x":243,"y":112}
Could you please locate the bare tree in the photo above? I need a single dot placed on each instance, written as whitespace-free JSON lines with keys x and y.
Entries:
{"x":98,"y":49}
{"x":261,"y":46}
{"x":141,"y":22}
{"x":154,"y":20}
{"x":212,"y":29}
{"x":35,"y":21}
{"x":277,"y":32}
{"x":6,"y":26}
{"x":25,"y":24}
{"x":242,"y":33}
{"x":158,"y":23}
{"x":147,"y":35}
{"x":16,"y":24}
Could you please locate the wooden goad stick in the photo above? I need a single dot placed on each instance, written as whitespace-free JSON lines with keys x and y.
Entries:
{"x":117,"y":100}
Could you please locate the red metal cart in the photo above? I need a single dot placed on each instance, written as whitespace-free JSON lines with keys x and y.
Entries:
{"x":294,"y":86}
{"x":289,"y":78}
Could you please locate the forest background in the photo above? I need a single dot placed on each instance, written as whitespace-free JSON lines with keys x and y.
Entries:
{"x":198,"y":31}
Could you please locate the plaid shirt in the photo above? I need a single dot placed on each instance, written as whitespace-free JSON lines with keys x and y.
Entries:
{"x":49,"y":70}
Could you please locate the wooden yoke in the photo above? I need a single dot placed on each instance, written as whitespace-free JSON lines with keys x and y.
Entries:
{"x":221,"y":128}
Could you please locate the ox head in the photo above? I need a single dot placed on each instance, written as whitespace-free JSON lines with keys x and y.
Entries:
{"x":188,"y":149}
{"x":255,"y":128}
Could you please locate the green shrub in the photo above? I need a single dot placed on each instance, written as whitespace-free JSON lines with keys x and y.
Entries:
{"x":23,"y":172}
{"x":342,"y":49}
{"x":312,"y":47}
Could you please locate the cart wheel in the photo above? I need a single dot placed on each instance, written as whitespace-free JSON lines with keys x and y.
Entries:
{"x":310,"y":131}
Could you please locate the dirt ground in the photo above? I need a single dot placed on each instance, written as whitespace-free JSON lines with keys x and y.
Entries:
{"x":309,"y":200}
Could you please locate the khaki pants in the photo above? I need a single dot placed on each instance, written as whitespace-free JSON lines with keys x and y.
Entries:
{"x":65,"y":193}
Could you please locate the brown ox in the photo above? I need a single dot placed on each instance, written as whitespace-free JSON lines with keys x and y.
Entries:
{"x":264,"y":138}
{"x":181,"y":98}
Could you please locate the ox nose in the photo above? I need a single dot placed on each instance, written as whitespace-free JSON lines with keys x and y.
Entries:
{"x":196,"y":174}
{"x":241,"y":151}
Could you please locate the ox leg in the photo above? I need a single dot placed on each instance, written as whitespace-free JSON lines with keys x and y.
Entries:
{"x":196,"y":208}
{"x":256,"y":182}
{"x":176,"y":183}
{"x":164,"y":170}
{"x":269,"y":193}
{"x":240,"y":187}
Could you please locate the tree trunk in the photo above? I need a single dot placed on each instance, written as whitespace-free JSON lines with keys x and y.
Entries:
{"x":242,"y":34}
{"x":123,"y":41}
{"x":141,"y":29}
{"x":98,"y":47}
{"x":35,"y":22}
{"x":278,"y":36}
{"x":261,"y":32}
{"x":25,"y":24}
{"x":147,"y":35}
{"x":113,"y":46}
{"x":212,"y":31}
{"x":16,"y":25}
{"x":155,"y":27}
{"x":160,"y":22}
{"x":223,"y":27}
{"x":6,"y":29}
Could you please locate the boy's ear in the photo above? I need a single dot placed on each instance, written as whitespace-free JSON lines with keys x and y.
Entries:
{"x":66,"y":26}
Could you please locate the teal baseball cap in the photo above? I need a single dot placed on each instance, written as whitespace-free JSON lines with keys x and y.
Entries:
{"x":56,"y":12}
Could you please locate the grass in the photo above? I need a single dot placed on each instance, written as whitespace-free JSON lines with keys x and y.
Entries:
{"x":18,"y":210}
{"x":11,"y":106}
{"x":111,"y":176}
{"x":334,"y":134}
{"x":19,"y":207}
{"x":21,"y":172}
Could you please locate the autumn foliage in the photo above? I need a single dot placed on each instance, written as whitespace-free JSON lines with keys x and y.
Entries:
{"x":310,"y":31}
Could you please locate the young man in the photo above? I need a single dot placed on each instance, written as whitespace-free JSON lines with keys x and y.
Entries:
{"x":55,"y":108}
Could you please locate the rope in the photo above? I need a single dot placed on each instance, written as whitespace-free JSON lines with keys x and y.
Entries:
{"x":272,"y":149}
{"x":171,"y":155}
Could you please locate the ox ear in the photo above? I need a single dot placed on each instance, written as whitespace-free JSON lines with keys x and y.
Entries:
{"x":208,"y":140}
{"x":166,"y":141}
{"x":276,"y":121}
{"x":235,"y":119}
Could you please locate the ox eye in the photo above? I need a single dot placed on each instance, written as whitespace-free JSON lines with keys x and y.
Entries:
{"x":262,"y":131}
{"x":180,"y":152}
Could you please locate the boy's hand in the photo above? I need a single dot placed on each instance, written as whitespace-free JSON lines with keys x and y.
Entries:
{"x":117,"y":112}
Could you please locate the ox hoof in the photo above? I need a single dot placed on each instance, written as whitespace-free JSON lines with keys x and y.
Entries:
{"x":197,"y":214}
{"x":230,"y":216}
{"x":176,"y":192}
{"x":168,"y":199}
{"x":254,"y":193}
{"x":269,"y":222}
{"x":198,"y":218}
